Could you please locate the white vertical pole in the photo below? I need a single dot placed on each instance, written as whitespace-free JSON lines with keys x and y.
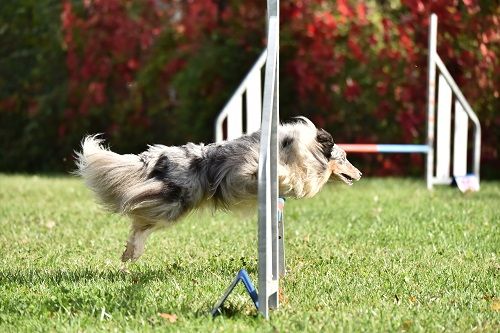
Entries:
{"x":219,"y":135}
{"x":268,"y":182}
{"x":477,"y":147}
{"x":281,"y":236}
{"x":234,"y":118}
{"x":273,"y":9}
{"x":274,"y":297}
{"x":431,"y":92}
{"x":254,"y":101}
{"x":460,"y":141}
{"x":443,"y":141}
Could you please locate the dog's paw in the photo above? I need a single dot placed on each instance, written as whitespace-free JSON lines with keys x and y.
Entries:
{"x":124,"y":268}
{"x":128,"y":254}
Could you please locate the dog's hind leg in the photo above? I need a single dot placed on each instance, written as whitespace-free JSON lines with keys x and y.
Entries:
{"x":141,"y":229}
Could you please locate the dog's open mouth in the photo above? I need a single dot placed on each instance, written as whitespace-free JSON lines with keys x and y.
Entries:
{"x":346,"y":178}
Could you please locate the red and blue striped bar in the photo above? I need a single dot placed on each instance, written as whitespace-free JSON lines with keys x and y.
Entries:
{"x":384,"y":148}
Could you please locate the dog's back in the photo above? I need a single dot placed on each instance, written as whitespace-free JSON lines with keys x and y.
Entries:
{"x":163,"y":183}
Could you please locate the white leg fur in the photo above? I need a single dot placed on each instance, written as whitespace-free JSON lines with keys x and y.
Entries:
{"x":136,"y":242}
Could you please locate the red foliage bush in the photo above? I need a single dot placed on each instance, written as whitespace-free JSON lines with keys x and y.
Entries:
{"x":361,"y":67}
{"x":160,"y":71}
{"x":105,"y":44}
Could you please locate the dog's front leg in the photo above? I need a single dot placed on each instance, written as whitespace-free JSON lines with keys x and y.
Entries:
{"x":141,"y":229}
{"x":284,"y":180}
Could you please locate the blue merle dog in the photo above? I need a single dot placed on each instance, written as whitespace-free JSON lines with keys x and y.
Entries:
{"x":162,"y":184}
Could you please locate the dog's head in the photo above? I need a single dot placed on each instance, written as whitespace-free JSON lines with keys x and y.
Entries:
{"x":337,"y":160}
{"x":341,"y":167}
{"x":320,"y":144}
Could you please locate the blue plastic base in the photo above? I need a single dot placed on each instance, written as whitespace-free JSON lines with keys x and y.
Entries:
{"x":243,"y":274}
{"x":245,"y":278}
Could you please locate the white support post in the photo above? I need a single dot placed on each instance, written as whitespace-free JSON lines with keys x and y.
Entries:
{"x":443,"y":143}
{"x":234,"y":118}
{"x":431,"y":85}
{"x":254,"y":101}
{"x":219,"y":128}
{"x":281,"y":236}
{"x":268,"y":232}
{"x":460,"y":141}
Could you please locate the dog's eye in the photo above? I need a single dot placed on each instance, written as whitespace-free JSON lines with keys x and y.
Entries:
{"x":287,"y":141}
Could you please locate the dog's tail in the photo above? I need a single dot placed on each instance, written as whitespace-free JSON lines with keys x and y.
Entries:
{"x":120,"y":182}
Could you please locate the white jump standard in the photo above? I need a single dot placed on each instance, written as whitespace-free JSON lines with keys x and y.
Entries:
{"x":270,"y":232}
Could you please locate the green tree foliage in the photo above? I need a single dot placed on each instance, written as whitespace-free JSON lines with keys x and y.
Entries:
{"x":32,"y":84}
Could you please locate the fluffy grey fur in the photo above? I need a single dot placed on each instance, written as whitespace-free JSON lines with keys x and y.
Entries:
{"x":164,"y":183}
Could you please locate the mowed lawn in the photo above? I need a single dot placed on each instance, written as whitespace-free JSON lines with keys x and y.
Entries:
{"x":382,"y":255}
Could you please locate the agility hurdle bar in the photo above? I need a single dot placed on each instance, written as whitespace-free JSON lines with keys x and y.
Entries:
{"x":383,"y":148}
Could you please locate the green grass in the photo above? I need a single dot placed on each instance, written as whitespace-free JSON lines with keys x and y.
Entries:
{"x":382,"y":255}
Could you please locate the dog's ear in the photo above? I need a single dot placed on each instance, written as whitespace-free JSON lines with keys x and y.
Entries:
{"x":305,"y":121}
{"x":325,"y":142}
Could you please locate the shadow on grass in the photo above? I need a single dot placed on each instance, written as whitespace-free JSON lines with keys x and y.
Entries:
{"x":109,"y":289}
{"x":232,"y":311}
{"x":89,"y":290}
{"x":30,"y":276}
